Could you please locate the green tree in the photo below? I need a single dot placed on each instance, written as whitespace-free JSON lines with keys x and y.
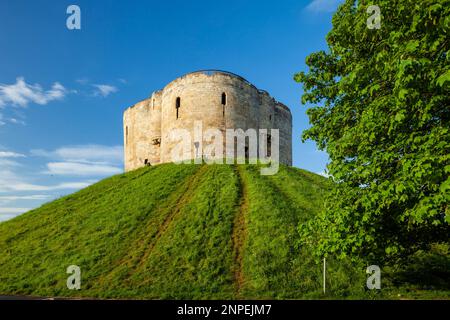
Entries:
{"x":381,"y":110}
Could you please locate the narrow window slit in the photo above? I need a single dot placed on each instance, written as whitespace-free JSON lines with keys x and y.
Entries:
{"x":177,"y":106}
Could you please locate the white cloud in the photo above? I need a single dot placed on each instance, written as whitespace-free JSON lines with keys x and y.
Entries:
{"x":84,"y":153}
{"x":5,"y":159}
{"x":10,"y":182}
{"x":99,"y":89}
{"x":4,"y":121}
{"x":104,"y":90}
{"x":10,"y":154}
{"x":83,"y":160}
{"x":13,"y":210}
{"x":22,"y":93}
{"x":9,"y":213}
{"x":81,"y":169}
{"x":17,"y":121}
{"x":72,"y":185}
{"x":5,"y":163}
{"x":20,"y":186}
{"x":92,"y":153}
{"x":29,"y":197}
{"x":323,"y":5}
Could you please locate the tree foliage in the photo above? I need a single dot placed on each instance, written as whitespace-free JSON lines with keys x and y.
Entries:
{"x":381,"y":111}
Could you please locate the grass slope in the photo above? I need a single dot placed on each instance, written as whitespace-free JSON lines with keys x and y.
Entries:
{"x":181,"y":231}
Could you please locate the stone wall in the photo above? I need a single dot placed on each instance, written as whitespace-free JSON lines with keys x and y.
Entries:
{"x":149,"y":123}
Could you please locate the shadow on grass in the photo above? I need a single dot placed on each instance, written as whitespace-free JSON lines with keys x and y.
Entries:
{"x":426,"y":270}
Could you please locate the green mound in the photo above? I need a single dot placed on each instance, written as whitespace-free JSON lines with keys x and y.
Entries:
{"x":176,"y":231}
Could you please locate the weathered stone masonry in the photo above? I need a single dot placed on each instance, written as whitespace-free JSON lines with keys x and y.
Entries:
{"x":219,"y":99}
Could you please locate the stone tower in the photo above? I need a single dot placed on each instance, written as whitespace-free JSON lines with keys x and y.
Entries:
{"x":218,"y":99}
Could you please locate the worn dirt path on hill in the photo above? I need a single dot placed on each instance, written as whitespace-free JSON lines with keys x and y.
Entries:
{"x":190,"y":188}
{"x":147,"y":242}
{"x":239,"y":235}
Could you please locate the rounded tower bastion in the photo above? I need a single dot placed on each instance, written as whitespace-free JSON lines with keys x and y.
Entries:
{"x":220,"y":100}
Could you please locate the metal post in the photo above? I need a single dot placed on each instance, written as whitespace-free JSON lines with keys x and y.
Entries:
{"x":324,"y":274}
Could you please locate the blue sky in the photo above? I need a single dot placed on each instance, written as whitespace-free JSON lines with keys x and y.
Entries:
{"x":63,"y":92}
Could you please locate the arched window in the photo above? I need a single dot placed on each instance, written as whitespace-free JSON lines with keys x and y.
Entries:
{"x":224,"y":98}
{"x":177,"y":105}
{"x":126,"y":135}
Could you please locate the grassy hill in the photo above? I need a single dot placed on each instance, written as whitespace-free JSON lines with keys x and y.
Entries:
{"x":179,"y":231}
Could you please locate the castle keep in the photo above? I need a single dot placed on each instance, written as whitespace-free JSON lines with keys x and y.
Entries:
{"x":218,"y":99}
